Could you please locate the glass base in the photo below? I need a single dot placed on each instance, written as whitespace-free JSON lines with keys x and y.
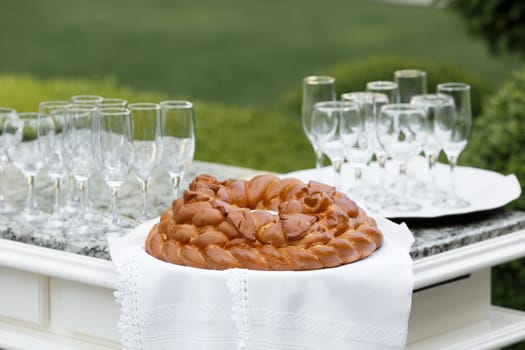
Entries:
{"x":451,"y":203}
{"x":33,"y":217}
{"x":403,"y":206}
{"x":120,"y":228}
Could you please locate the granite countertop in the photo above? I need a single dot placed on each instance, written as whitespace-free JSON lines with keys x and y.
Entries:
{"x":433,"y":236}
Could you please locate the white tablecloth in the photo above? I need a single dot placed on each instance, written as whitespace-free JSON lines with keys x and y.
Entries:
{"x":364,"y":305}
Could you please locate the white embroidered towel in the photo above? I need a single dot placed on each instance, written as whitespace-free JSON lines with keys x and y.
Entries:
{"x":364,"y":305}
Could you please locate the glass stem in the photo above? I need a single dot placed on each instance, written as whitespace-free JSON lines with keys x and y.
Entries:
{"x":2,"y":198}
{"x":175,"y":179}
{"x":319,"y":159}
{"x":57,"y":207}
{"x":452,"y":160}
{"x":31,"y":204}
{"x":381,"y":160}
{"x":338,"y":178}
{"x":82,"y":200}
{"x":432,"y":159}
{"x":144,"y":187}
{"x":113,"y":208}
{"x":403,"y":178}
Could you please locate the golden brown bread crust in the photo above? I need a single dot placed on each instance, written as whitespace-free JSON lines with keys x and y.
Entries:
{"x":230,"y":224}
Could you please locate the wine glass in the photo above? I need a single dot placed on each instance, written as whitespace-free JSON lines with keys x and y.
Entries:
{"x":434,"y":105}
{"x":147,"y":142}
{"x":114,"y":156}
{"x":56,"y":111}
{"x":411,"y":82}
{"x":5,"y":115}
{"x":178,"y":139}
{"x":26,"y":153}
{"x":452,"y":129}
{"x":358,"y":135}
{"x":315,"y":89}
{"x":327,"y":120}
{"x":400,"y":128}
{"x":79,"y":157}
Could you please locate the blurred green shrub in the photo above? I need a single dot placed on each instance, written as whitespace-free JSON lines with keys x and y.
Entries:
{"x":260,"y":139}
{"x":353,"y":76}
{"x":498,"y":134}
{"x":501,"y":23}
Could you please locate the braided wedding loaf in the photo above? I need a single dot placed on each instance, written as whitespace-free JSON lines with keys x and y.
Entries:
{"x":266,"y":223}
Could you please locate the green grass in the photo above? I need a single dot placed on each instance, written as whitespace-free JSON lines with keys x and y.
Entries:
{"x":242,"y":52}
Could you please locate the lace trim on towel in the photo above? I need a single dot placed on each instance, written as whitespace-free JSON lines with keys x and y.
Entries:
{"x":238,"y":285}
{"x":327,"y":327}
{"x":126,"y":296}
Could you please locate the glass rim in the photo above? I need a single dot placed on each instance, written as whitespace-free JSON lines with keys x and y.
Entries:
{"x":319,"y":79}
{"x":176,"y":104}
{"x":82,"y":107}
{"x":401,"y":107}
{"x":144,"y":106}
{"x":27,"y":115}
{"x":8,"y":110}
{"x":426,"y":97}
{"x":366,"y":94}
{"x":410,"y":73}
{"x":382,"y":84}
{"x":113,"y":111}
{"x":337,"y":104}
{"x":453,"y":86}
{"x":94,"y":98}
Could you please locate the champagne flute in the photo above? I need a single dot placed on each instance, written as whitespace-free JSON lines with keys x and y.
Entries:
{"x":400,"y":130}
{"x":390,"y":90}
{"x":358,"y":135}
{"x":453,"y":129}
{"x":114,"y":155}
{"x":72,"y":202}
{"x":79,"y":157}
{"x":434,"y":105}
{"x":411,"y":82}
{"x":315,"y":89}
{"x":56,"y":111}
{"x":327,"y":120}
{"x":147,"y":142}
{"x":178,"y":139}
{"x":5,"y":115}
{"x":25,"y":152}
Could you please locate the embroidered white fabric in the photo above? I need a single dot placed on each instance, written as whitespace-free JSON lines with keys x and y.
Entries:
{"x":364,"y":305}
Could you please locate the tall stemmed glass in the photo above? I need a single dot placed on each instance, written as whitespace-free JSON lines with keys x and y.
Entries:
{"x":390,"y":90}
{"x":178,"y":139}
{"x":79,"y":157}
{"x":434,"y":105}
{"x":25,"y":152}
{"x":56,"y":111}
{"x":327,"y":121}
{"x":315,"y":89}
{"x":147,"y":142}
{"x":358,"y":135}
{"x":114,"y":155}
{"x":401,"y":128}
{"x":5,"y":115}
{"x":411,"y":82}
{"x":453,"y":129}
{"x":72,"y":200}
